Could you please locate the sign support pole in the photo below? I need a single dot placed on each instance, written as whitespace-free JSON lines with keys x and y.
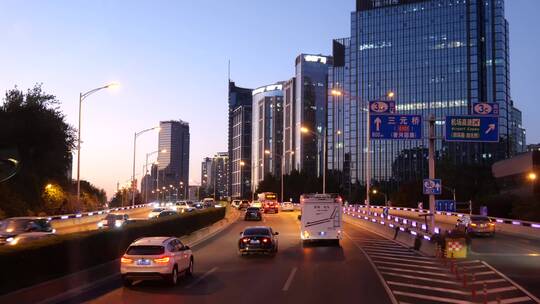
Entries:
{"x":432,"y":170}
{"x":368,"y":156}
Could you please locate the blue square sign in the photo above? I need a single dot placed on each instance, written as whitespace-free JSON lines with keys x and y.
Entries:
{"x":432,"y":187}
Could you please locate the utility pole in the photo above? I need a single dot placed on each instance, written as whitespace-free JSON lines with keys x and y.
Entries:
{"x":432,"y":169}
{"x":368,"y":156}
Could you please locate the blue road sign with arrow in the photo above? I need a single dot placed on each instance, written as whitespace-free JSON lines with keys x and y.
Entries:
{"x":386,"y":126}
{"x":472,"y":128}
{"x":432,"y":187}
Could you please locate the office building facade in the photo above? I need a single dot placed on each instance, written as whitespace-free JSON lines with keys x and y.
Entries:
{"x":220,"y":175}
{"x":239,"y":141}
{"x":206,"y":173}
{"x":289,"y":126}
{"x":267,"y":132}
{"x":438,"y":57}
{"x":173,"y":164}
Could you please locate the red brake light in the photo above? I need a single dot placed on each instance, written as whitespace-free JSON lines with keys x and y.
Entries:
{"x":245,"y":240}
{"x":265,"y":240}
{"x":125,"y":260}
{"x":162,"y":260}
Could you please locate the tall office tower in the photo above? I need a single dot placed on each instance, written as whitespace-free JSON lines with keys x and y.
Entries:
{"x":311,"y":83}
{"x":438,"y":57}
{"x":220,"y":175}
{"x":206,"y":173}
{"x":239,"y":141}
{"x":289,"y":125}
{"x":267,"y":132}
{"x":173,"y":165}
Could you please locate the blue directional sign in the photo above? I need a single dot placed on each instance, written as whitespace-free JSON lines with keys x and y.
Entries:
{"x":445,"y":205}
{"x":432,"y":187}
{"x":472,"y":128}
{"x":382,"y":107}
{"x":485,"y":108}
{"x":386,"y":126}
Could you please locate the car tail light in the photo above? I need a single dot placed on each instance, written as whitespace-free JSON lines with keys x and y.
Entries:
{"x":491,"y":224}
{"x":125,"y":260}
{"x":163,"y":260}
{"x":245,"y":240}
{"x":473,"y":225}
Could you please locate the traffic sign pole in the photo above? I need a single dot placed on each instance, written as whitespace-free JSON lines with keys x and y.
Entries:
{"x":432,"y":169}
{"x":368,"y":156}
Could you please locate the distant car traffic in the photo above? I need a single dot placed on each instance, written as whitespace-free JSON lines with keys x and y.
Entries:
{"x":287,"y":206}
{"x":166,"y":213}
{"x":155,"y":212}
{"x":182,"y":207}
{"x":236,"y":203}
{"x":208,"y":202}
{"x":156,"y":258}
{"x":256,"y":204}
{"x":244,"y":204}
{"x":271,"y":206}
{"x":253,"y":214}
{"x":113,"y":220}
{"x":476,"y":225}
{"x":13,"y":230}
{"x":258,"y":239}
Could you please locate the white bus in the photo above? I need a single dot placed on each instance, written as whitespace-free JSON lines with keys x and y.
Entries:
{"x":320,"y":217}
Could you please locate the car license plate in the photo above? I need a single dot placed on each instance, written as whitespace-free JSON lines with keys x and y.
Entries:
{"x":143,"y":262}
{"x":254,"y":242}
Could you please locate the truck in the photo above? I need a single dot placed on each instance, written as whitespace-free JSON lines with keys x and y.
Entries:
{"x":321,"y":218}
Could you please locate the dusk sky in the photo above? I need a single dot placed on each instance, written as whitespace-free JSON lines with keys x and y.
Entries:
{"x":170,"y":58}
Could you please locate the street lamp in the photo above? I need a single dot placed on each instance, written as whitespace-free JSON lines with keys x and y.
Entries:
{"x":133,"y":183}
{"x":375,"y":191}
{"x":146,"y":171}
{"x":532,"y":176}
{"x":306,"y":130}
{"x":82,"y":97}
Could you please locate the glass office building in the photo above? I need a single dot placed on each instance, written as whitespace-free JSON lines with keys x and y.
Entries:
{"x":438,"y":57}
{"x":267,"y":132}
{"x":173,"y":163}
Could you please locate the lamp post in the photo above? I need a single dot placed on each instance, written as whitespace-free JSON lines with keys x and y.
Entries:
{"x":243,"y":164}
{"x":82,"y":97}
{"x":306,"y":130}
{"x":133,"y":183}
{"x":146,"y":170}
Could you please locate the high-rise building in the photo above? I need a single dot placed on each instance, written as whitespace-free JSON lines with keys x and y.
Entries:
{"x":289,"y":125}
{"x":173,"y":164}
{"x":310,"y":101}
{"x":267,"y":132}
{"x":239,"y":141}
{"x":518,"y":135}
{"x":220,"y":175}
{"x":438,"y":57}
{"x":206,"y":174}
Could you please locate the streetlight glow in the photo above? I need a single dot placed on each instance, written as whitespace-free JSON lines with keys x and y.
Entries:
{"x":336,"y":92}
{"x":267,"y":152}
{"x":532,"y":176}
{"x":391,"y":94}
{"x":304,"y":130}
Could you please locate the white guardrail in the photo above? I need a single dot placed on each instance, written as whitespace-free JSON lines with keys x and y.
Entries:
{"x":509,"y":226}
{"x":92,"y":213}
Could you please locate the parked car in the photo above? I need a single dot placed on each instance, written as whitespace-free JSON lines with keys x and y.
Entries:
{"x":258,"y":239}
{"x":476,"y":225}
{"x":14,"y":229}
{"x":287,"y":206}
{"x":155,"y":212}
{"x":156,"y":258}
{"x":253,"y":214}
{"x":113,"y":220}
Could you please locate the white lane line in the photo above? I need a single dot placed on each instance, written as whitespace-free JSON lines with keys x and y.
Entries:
{"x":484,"y":273}
{"x":393,"y":248}
{"x":501,"y":289}
{"x":410,"y":265}
{"x":404,"y":256}
{"x":512,"y":282}
{"x":383,"y":282}
{"x":377,"y":257}
{"x":431,"y":288}
{"x":406,"y":253}
{"x":394,"y":274}
{"x":289,"y":279}
{"x":418,"y":271}
{"x":199,"y":279}
{"x":431,"y":298}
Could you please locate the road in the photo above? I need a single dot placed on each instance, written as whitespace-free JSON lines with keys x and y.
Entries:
{"x":318,"y":274}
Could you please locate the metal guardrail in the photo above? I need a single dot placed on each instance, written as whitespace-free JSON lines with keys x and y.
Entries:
{"x":455,"y":214}
{"x":93,"y":213}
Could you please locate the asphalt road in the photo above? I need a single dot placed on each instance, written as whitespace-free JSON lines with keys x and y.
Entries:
{"x":315,"y":274}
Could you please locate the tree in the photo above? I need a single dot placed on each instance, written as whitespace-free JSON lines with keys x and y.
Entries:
{"x":33,"y":126}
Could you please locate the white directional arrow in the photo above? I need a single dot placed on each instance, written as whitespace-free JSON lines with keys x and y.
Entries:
{"x":378,"y":123}
{"x":490,"y":128}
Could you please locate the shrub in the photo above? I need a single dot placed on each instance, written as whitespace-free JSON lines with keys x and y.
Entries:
{"x":52,"y":258}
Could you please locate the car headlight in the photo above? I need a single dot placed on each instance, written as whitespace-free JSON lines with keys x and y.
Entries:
{"x":13,"y":241}
{"x":10,"y":239}
{"x":118,"y":224}
{"x":100,"y":224}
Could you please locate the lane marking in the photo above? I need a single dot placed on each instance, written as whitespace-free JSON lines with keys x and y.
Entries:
{"x":289,"y":279}
{"x":385,"y":247}
{"x":431,"y":288}
{"x":513,"y":283}
{"x":418,"y":271}
{"x":511,"y":300}
{"x":394,"y":274}
{"x":199,"y":279}
{"x":431,"y":298}
{"x":400,"y":255}
{"x":383,"y":282}
{"x":410,"y":265}
{"x":403,"y":253}
{"x":400,"y":259}
{"x":484,"y":273}
{"x":501,"y":289}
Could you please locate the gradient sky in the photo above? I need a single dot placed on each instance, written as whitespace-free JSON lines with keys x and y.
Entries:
{"x":171,"y":60}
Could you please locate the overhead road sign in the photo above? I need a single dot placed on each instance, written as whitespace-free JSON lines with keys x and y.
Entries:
{"x":386,"y":126}
{"x":432,"y":187}
{"x":472,"y":128}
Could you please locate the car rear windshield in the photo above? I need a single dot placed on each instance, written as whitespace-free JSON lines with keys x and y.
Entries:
{"x":252,"y":209}
{"x":145,"y":250}
{"x":480,"y":219}
{"x":256,"y":231}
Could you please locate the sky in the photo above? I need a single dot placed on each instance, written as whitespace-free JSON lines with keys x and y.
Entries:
{"x":170,"y":58}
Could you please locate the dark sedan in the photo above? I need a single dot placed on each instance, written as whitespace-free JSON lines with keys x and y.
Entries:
{"x":253,"y":214}
{"x":258,"y":239}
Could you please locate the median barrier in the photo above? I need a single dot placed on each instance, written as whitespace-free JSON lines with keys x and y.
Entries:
{"x":44,"y":260}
